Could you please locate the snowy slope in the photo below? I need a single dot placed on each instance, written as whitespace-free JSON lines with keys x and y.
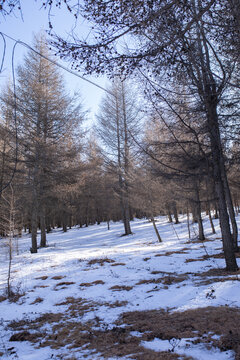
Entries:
{"x":112,"y":275}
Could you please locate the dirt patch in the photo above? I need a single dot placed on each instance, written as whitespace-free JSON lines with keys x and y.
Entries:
{"x":37,"y":301}
{"x":121,"y":288}
{"x":96,"y":282}
{"x":100,"y":261}
{"x":42,"y":278}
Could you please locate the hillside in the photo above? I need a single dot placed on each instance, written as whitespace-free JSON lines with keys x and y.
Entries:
{"x":94,"y":294}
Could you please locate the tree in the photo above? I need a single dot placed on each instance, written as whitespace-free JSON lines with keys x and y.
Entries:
{"x":118,"y":122}
{"x":47,"y":117}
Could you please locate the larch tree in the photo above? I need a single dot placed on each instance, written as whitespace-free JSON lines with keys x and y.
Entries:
{"x":118,"y":123}
{"x":46,"y":115}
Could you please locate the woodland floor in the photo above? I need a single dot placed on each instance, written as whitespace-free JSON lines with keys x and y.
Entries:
{"x":94,"y":294}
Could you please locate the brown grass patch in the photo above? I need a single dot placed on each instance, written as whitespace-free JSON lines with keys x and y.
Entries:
{"x":166,"y":280}
{"x":146,"y":258}
{"x":63,"y":283}
{"x":169,"y":253}
{"x":24,"y":336}
{"x":3,"y":298}
{"x":42,"y":278}
{"x":210,"y":281}
{"x":37,"y":301}
{"x":100,"y":261}
{"x":118,"y":342}
{"x":96,"y":282}
{"x":218,"y":272}
{"x":118,"y":264}
{"x":121,"y":288}
{"x":58,"y":277}
{"x":40,"y":286}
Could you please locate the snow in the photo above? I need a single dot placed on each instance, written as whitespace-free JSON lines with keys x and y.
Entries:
{"x":67,"y":256}
{"x":185,"y":347}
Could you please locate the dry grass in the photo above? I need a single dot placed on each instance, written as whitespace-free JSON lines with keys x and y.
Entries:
{"x":40,"y":286}
{"x":96,"y":282}
{"x":169,"y":253}
{"x":118,"y":264}
{"x":37,"y":301}
{"x":121,"y":288}
{"x":166,"y":280}
{"x":42,"y":278}
{"x":100,"y":261}
{"x":118,"y":342}
{"x":218,"y":272}
{"x":63,"y":283}
{"x":3,"y":298}
{"x":58,"y":277}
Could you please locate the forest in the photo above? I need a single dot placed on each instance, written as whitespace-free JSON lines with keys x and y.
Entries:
{"x":161,"y":160}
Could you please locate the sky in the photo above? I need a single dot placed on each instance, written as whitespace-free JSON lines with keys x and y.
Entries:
{"x":33,"y":20}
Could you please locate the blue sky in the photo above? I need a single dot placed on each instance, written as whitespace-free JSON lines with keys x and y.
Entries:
{"x":36,"y":19}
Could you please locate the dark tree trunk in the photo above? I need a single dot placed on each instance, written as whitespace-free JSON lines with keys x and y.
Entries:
{"x":34,"y":228}
{"x":169,"y":215}
{"x":218,"y":171}
{"x":198,"y":213}
{"x":231,"y":213}
{"x":175,"y":214}
{"x":156,"y":229}
{"x":43,"y":242}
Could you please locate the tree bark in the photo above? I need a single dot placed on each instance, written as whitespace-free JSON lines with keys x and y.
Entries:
{"x":156,"y":229}
{"x":231,"y":213}
{"x":198,"y":213}
{"x":218,"y":171}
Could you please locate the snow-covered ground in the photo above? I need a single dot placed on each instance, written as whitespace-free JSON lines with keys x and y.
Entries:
{"x":114,"y":274}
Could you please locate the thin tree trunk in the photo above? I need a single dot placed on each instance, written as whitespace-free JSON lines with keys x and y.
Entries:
{"x":198,"y":212}
{"x":188,"y":224}
{"x":43,"y":242}
{"x":156,"y":229}
{"x":231,"y":213}
{"x":34,"y":222}
{"x":175,"y":214}
{"x":209,"y":209}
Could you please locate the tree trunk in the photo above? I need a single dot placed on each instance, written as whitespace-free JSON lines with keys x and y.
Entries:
{"x":218,"y":171}
{"x":34,"y":228}
{"x":156,"y":229}
{"x":43,"y":241}
{"x":169,"y":215}
{"x":188,"y":224}
{"x":231,"y":213}
{"x":175,"y":214}
{"x":198,"y":213}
